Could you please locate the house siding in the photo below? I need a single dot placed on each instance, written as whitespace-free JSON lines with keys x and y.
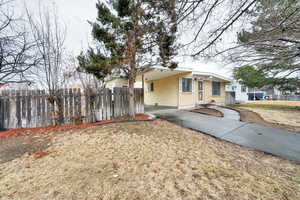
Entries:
{"x":208,"y":97}
{"x":186,"y":99}
{"x":166,"y":93}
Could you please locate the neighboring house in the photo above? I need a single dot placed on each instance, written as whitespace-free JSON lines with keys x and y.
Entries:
{"x":241,"y":91}
{"x":244,"y":94}
{"x":116,"y":81}
{"x":182,"y":87}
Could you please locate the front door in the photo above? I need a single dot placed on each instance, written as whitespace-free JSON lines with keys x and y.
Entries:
{"x":200,"y":92}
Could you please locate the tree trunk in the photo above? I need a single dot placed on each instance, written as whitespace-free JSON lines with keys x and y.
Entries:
{"x":131,"y":97}
{"x":60,"y":117}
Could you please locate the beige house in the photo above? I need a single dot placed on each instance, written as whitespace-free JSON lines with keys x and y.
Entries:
{"x":183,"y":88}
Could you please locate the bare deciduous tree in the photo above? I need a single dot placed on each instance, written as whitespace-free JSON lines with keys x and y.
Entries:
{"x":17,"y":49}
{"x":206,"y":24}
{"x":50,"y":36}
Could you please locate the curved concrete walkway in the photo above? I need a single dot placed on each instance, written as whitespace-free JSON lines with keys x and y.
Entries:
{"x":273,"y":141}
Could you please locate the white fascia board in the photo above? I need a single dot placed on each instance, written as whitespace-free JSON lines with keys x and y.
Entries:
{"x":211,"y":74}
{"x":183,"y":69}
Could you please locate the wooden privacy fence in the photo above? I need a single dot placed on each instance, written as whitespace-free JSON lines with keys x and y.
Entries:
{"x":36,"y":108}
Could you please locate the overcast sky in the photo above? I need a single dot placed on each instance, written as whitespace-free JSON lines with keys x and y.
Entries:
{"x":76,"y":13}
{"x":73,"y":13}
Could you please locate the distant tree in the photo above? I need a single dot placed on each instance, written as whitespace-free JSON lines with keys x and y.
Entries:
{"x":130,"y":36}
{"x":250,"y":77}
{"x":273,"y":42}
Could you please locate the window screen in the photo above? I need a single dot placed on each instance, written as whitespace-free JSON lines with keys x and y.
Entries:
{"x":216,"y":88}
{"x":186,"y":85}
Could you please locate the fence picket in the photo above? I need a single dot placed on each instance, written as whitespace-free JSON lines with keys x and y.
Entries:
{"x":48,"y":111}
{"x":109,"y":99}
{"x":78,"y":108}
{"x":43,"y":108}
{"x":18,"y":109}
{"x":32,"y":108}
{"x":71,"y":103}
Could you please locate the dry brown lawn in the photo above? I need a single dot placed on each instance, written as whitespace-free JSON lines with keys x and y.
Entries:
{"x":287,"y":113}
{"x":277,"y":103}
{"x":147,"y":160}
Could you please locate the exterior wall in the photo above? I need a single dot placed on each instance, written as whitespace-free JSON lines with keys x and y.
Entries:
{"x":239,"y":95}
{"x":166,"y":93}
{"x":187,"y":99}
{"x":209,"y":98}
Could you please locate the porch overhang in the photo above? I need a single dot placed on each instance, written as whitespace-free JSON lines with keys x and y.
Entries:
{"x":211,"y":76}
{"x":160,"y":73}
{"x":157,"y":73}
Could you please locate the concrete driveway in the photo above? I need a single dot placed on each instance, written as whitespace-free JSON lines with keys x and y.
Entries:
{"x":273,"y":141}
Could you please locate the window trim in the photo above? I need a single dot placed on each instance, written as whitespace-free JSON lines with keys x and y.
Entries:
{"x":212,"y":89}
{"x":191,"y":86}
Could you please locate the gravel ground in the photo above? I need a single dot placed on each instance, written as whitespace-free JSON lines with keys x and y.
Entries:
{"x":147,"y":160}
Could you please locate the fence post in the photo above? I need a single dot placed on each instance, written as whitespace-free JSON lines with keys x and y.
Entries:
{"x":78,"y":103}
{"x":18,"y":109}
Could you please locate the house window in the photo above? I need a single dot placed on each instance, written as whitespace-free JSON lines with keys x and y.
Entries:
{"x":216,"y":88}
{"x":186,"y":85}
{"x":151,"y":87}
{"x":243,"y":89}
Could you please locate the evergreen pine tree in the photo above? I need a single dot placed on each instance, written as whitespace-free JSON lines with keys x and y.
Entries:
{"x":132,"y":35}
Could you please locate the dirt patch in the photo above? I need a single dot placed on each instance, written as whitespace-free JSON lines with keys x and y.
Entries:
{"x":15,"y":147}
{"x":253,"y":117}
{"x":209,"y":111}
{"x":147,"y":160}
